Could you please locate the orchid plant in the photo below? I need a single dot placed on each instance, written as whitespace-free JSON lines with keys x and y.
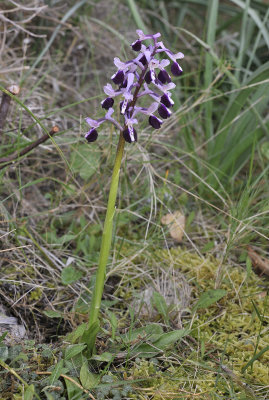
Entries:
{"x":145,"y":75}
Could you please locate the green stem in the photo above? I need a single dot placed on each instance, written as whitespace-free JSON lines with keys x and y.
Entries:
{"x":106,"y":239}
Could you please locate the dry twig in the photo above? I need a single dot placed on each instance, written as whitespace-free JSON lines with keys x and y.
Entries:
{"x":4,"y":161}
{"x":5,"y":104}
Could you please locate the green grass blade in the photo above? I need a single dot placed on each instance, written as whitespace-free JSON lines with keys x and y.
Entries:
{"x":213,"y":6}
{"x":69,"y":13}
{"x":253,"y":14}
{"x":242,"y":41}
{"x":137,"y":17}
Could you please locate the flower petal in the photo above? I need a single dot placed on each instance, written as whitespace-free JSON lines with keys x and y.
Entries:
{"x":163,"y":111}
{"x":92,"y":135}
{"x":107,"y":103}
{"x":136,"y":46}
{"x":166,"y":100}
{"x":164,"y":77}
{"x":130,"y":134}
{"x":155,"y":122}
{"x":118,"y":77}
{"x":176,"y":69}
{"x":93,"y":123}
{"x":108,"y":89}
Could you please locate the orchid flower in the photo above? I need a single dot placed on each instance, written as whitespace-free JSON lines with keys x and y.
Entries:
{"x":145,"y":72}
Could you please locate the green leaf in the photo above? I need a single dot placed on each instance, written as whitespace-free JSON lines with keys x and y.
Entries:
{"x":56,"y":372}
{"x":165,"y":340}
{"x":73,"y":350}
{"x":265,"y":149}
{"x":73,"y":392}
{"x":159,"y":302}
{"x":258,"y":355}
{"x":149,"y":332}
{"x":170,"y":338}
{"x":2,"y":337}
{"x":89,"y":336}
{"x":104,"y":357}
{"x":87,"y":378}
{"x":210,"y":297}
{"x":85,"y":160}
{"x":53,"y":314}
{"x":70,"y":274}
{"x":29,"y":392}
{"x":49,"y":396}
{"x":3,"y":352}
{"x":78,"y":332}
{"x":66,"y":238}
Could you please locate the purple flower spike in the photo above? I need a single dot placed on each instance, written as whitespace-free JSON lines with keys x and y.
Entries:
{"x":136,"y":46}
{"x":176,"y":69}
{"x":164,"y":77}
{"x":155,"y":122}
{"x":118,"y":77}
{"x":107,"y":103}
{"x":145,"y":76}
{"x":163,"y":111}
{"x":166,"y":100}
{"x":91,"y":136}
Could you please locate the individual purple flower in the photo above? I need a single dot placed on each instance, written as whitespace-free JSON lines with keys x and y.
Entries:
{"x":164,"y":77}
{"x":136,"y":45}
{"x":118,"y":77}
{"x":143,"y":76}
{"x":176,"y":69}
{"x":155,"y":122}
{"x":107,"y":103}
{"x":92,"y":135}
{"x":166,"y":100}
{"x":129,"y":133}
{"x":163,"y":111}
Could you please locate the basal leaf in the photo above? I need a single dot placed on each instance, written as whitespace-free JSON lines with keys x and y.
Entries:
{"x":87,"y":378}
{"x":210,"y":297}
{"x":73,"y":350}
{"x":85,"y":160}
{"x":57,"y":371}
{"x":70,"y":274}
